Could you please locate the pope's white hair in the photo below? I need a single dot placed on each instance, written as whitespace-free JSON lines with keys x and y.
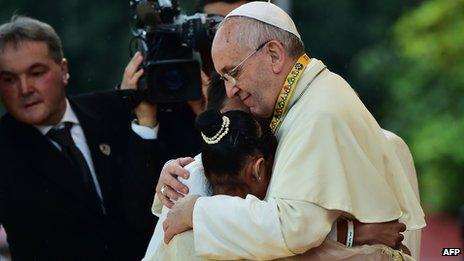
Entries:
{"x":255,"y":32}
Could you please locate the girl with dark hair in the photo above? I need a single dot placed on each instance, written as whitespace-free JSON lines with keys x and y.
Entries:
{"x":236,"y":160}
{"x":237,"y":153}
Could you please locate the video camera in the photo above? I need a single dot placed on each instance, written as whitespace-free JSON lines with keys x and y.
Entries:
{"x":168,"y":40}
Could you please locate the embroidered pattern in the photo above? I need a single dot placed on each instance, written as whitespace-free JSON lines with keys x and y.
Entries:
{"x":287,"y":91}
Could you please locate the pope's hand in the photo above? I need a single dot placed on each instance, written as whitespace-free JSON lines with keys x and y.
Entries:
{"x":168,"y":182}
{"x":179,"y":218}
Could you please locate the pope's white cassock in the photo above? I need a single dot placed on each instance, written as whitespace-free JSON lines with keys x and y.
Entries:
{"x":332,"y":159}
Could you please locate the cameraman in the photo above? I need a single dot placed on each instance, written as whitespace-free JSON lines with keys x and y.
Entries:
{"x":172,"y":130}
{"x":173,"y":135}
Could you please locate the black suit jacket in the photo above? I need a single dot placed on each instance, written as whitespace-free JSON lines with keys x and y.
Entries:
{"x":45,"y":212}
{"x":177,"y":137}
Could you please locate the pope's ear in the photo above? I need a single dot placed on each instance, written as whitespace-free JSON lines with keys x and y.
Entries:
{"x":277,"y":52}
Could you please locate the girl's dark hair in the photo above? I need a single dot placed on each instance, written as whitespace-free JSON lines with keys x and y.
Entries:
{"x":247,"y":137}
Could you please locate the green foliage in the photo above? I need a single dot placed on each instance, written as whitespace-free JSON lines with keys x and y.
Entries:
{"x":94,"y":33}
{"x":339,"y":31}
{"x":421,"y":71}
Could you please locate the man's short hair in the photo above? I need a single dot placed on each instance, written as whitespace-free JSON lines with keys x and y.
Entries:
{"x":257,"y":33}
{"x":21,"y":29}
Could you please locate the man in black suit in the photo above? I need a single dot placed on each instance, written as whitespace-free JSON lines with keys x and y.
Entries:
{"x":67,"y":189}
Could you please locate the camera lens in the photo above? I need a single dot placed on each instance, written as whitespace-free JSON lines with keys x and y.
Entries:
{"x":172,"y":80}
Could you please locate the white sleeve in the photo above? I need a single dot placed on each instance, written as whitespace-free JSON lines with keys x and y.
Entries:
{"x":197,"y":184}
{"x":157,"y":206}
{"x":234,"y":228}
{"x":146,"y":133}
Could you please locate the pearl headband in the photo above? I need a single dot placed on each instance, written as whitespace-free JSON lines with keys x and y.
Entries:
{"x":220,"y":134}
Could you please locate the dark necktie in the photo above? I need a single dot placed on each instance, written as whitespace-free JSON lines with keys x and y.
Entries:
{"x":76,"y":158}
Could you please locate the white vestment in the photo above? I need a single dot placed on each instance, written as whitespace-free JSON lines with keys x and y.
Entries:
{"x":332,"y":158}
{"x":345,"y":163}
{"x":412,"y":238}
{"x":182,"y":248}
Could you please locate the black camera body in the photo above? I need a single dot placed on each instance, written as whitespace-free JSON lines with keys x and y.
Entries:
{"x":169,"y":42}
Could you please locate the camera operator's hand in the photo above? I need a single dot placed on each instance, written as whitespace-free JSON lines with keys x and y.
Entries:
{"x":132,"y":73}
{"x":145,"y":111}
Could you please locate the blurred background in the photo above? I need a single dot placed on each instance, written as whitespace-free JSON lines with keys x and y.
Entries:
{"x":405,"y":58}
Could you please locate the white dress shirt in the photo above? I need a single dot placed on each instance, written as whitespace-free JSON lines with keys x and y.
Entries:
{"x":78,"y":136}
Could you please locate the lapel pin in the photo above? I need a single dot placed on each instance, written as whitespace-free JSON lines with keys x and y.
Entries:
{"x":105,"y":149}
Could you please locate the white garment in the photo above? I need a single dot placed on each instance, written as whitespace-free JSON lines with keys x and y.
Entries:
{"x":181,"y":247}
{"x":412,"y":238}
{"x":268,"y":13}
{"x":146,"y":133}
{"x":198,"y":185}
{"x":331,"y":155}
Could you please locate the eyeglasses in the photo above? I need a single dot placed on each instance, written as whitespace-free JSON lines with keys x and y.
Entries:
{"x":230,"y":75}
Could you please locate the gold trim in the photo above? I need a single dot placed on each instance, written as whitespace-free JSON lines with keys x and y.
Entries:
{"x":286,"y":92}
